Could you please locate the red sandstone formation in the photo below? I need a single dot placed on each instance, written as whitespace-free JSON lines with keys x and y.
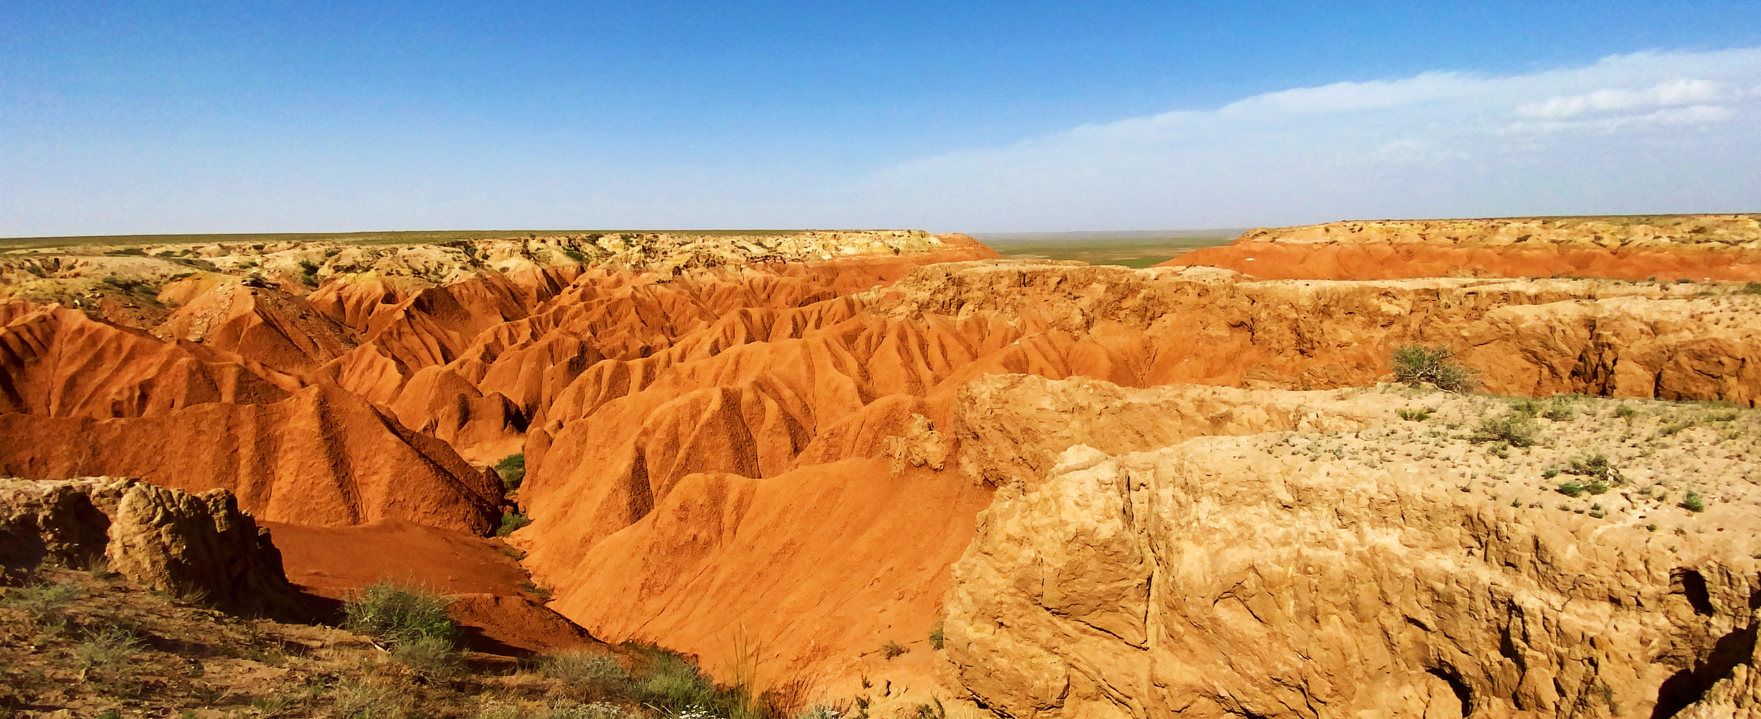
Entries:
{"x":321,"y":457}
{"x":763,"y":450}
{"x":1694,"y":247}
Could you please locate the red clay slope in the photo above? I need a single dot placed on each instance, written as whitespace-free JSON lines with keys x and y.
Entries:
{"x":322,"y":457}
{"x":1706,"y":247}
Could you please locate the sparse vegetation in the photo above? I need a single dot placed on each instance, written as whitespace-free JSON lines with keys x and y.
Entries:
{"x":1515,"y":428}
{"x":1417,"y":364}
{"x":397,"y":614}
{"x":893,"y":650}
{"x":512,"y":470}
{"x":582,"y":666}
{"x":1558,"y":411}
{"x":936,"y":636}
{"x":105,"y":653}
{"x":1413,"y":415}
{"x":1596,"y":466}
{"x":116,"y":642}
{"x":510,"y":523}
{"x":1693,"y":502}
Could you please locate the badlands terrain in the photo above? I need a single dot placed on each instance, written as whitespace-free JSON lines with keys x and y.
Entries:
{"x":885,"y":473}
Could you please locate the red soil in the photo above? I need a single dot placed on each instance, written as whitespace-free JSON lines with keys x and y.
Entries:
{"x":1398,"y":260}
{"x":500,"y":616}
{"x":322,"y":457}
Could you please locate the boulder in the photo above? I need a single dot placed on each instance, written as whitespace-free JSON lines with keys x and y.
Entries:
{"x":194,"y":545}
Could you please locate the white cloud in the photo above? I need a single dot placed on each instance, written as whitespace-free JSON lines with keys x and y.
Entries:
{"x":1680,"y":91}
{"x":1645,"y":132}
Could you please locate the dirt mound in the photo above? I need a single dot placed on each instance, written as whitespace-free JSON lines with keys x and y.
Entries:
{"x":160,"y":539}
{"x":322,"y":457}
{"x":283,"y":332}
{"x":1695,"y":247}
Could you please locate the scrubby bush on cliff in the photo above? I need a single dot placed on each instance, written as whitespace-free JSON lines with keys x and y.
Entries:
{"x":1417,"y":364}
{"x":511,"y":522}
{"x":512,"y":469}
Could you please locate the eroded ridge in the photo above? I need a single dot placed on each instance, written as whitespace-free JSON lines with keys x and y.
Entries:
{"x":1660,"y":247}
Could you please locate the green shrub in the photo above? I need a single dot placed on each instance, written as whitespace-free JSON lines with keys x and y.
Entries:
{"x":1558,"y":411}
{"x":105,"y":654}
{"x":1596,"y":466}
{"x":510,"y":523}
{"x":1753,"y":288}
{"x":1550,"y":473}
{"x":937,"y":637}
{"x":432,"y":657}
{"x":1694,"y":502}
{"x":892,"y":649}
{"x":512,"y":469}
{"x":1526,"y":406}
{"x":1412,"y":415}
{"x":1570,"y":489}
{"x":398,"y":614}
{"x":1516,"y":429}
{"x":1417,"y":364}
{"x":580,"y":665}
{"x":1626,"y":412}
{"x":575,"y":255}
{"x":672,"y":684}
{"x":1670,"y":429}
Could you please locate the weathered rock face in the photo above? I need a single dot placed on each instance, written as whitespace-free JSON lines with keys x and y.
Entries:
{"x":1245,"y":576}
{"x":161,"y":539}
{"x":1202,"y":325}
{"x":1697,"y":247}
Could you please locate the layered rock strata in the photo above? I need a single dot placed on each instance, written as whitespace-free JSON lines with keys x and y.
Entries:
{"x":1670,"y":247}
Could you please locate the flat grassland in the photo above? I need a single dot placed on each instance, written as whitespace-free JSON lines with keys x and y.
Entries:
{"x":1131,"y":249}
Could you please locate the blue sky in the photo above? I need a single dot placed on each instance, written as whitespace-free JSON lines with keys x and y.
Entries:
{"x":264,"y":116}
